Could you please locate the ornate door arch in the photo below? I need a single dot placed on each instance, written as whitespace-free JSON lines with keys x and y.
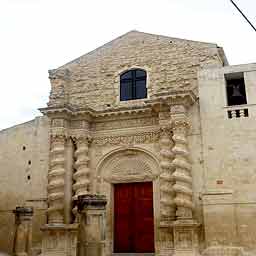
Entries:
{"x":126,"y":165}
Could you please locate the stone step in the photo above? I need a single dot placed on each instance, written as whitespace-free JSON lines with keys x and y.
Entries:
{"x":133,"y":254}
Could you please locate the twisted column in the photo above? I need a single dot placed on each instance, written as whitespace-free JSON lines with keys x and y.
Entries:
{"x":167,"y":204}
{"x":182,"y":173}
{"x":56,"y":179}
{"x":82,"y":173}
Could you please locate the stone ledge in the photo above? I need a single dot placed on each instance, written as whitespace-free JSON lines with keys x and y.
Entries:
{"x":59,"y":227}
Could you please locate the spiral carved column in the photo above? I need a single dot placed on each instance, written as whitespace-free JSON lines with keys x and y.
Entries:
{"x":182,"y":173}
{"x":56,"y":180}
{"x":82,"y":173}
{"x":167,"y":204}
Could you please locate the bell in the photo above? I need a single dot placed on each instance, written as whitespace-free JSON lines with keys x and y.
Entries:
{"x":236,"y":95}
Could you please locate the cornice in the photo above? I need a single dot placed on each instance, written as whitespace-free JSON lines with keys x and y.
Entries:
{"x":67,"y":111}
{"x":177,"y":97}
{"x":155,"y":104}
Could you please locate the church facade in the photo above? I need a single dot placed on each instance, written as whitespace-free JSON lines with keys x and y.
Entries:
{"x":146,"y":146}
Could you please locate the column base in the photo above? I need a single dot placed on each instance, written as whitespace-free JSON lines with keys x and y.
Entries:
{"x":92,"y":224}
{"x":186,"y":237}
{"x":59,"y":239}
{"x":165,"y":245}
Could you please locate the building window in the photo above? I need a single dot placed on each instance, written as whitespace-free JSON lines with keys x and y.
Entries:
{"x":235,"y":88}
{"x":133,"y":85}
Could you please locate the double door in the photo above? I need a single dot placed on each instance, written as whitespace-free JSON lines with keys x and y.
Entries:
{"x":133,"y":218}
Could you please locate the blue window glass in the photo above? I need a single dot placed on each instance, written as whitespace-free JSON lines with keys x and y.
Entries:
{"x":133,"y":85}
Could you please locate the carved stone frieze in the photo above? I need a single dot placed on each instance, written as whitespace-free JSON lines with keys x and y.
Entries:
{"x":137,"y":138}
{"x":119,"y":124}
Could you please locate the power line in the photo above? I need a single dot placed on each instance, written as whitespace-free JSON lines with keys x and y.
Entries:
{"x":243,"y":15}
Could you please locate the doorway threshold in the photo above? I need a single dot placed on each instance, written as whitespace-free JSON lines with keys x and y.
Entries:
{"x":133,"y":254}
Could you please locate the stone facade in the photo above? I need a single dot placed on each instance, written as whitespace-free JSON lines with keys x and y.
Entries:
{"x":181,"y":138}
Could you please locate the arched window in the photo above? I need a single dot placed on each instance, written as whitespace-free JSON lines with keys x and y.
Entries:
{"x":133,"y":85}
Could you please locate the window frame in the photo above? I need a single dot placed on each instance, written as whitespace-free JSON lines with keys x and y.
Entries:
{"x":134,"y":79}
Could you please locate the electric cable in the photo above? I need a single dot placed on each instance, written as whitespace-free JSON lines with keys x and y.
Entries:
{"x":243,"y":14}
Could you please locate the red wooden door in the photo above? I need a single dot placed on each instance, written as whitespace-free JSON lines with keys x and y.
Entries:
{"x":133,"y":221}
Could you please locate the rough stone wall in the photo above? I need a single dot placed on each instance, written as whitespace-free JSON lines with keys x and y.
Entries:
{"x":23,"y":174}
{"x":93,"y":79}
{"x":229,"y":160}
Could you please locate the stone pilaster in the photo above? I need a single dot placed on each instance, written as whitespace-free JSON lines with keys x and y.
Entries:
{"x":181,"y":162}
{"x":82,"y":173}
{"x":23,"y":231}
{"x":92,"y":224}
{"x":56,"y":180}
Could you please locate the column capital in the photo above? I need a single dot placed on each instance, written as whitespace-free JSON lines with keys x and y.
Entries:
{"x":90,"y":201}
{"x":82,"y":138}
{"x":58,"y":137}
{"x":178,"y":109}
{"x":179,"y":118}
{"x":165,"y":130}
{"x":23,"y":211}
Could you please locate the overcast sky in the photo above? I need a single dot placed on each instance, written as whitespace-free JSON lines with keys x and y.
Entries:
{"x":38,"y":35}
